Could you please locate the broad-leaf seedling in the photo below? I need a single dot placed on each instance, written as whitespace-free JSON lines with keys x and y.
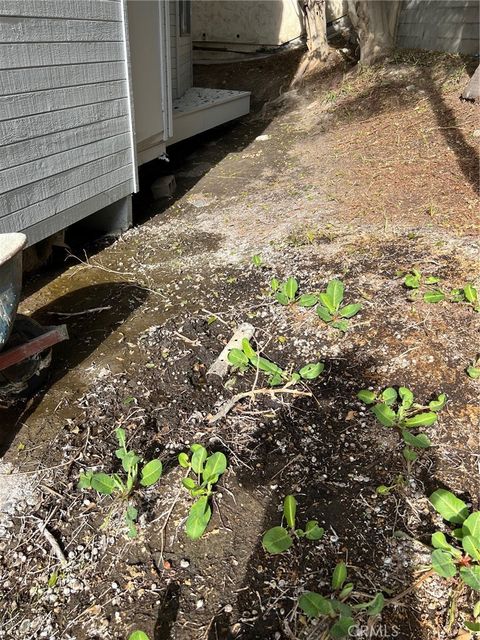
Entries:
{"x":284,"y":292}
{"x":473,"y":371}
{"x":108,"y":484}
{"x":330,"y":308}
{"x":247,"y":357}
{"x":459,"y":554}
{"x":207,"y":470}
{"x":398,"y":409}
{"x":335,"y":615}
{"x":280,"y":539}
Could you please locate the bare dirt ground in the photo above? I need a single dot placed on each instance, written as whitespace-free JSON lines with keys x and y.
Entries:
{"x":358,"y":176}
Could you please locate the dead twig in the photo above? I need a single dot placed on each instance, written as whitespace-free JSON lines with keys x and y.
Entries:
{"x":77,"y":313}
{"x":228,"y":406}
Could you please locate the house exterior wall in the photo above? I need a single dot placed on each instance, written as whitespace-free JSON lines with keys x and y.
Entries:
{"x":439,"y":25}
{"x":181,"y":54}
{"x":66,"y":132}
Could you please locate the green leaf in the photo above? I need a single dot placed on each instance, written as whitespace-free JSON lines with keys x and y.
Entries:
{"x":376,"y":605}
{"x":443,"y":564}
{"x":312,"y":370}
{"x":471,"y":576}
{"x":335,"y":289}
{"x":471,"y":525}
{"x":314,"y":605}
{"x":138,"y":635}
{"x":151,"y":472}
{"x":411,"y":281}
{"x":431,"y":280}
{"x":470,"y":293}
{"x":277,"y":540}
{"x":85,"y":480}
{"x":384,"y":415}
{"x":432,"y":297}
{"x":282,"y":298}
{"x":327,"y":302}
{"x":188,"y":483}
{"x":198,"y":519}
{"x":103,"y":483}
{"x":324,"y":314}
{"x":350,"y":310}
{"x":473,"y":372}
{"x":421,"y":441}
{"x":339,"y":576}
{"x":439,"y":403}
{"x":342,"y":325}
{"x":183,"y":460}
{"x":248,"y":349}
{"x":121,"y":437}
{"x":198,"y":458}
{"x":342,"y":628}
{"x":256,"y":261}
{"x":476,"y":610}
{"x":383,"y":490}
{"x":389,"y":396}
{"x":409,"y":454}
{"x":237,"y":358}
{"x":53,"y":579}
{"x":274,"y":284}
{"x":406,"y":396}
{"x":458,"y":533}
{"x":275,"y":380}
{"x":421,"y":420}
{"x":472,"y":626}
{"x":449,"y":506}
{"x":290,"y":288}
{"x":290,"y":510}
{"x":313,"y":531}
{"x":131,"y":513}
{"x":439,"y":541}
{"x":366,"y":396}
{"x":346,"y":591}
{"x":215,"y":465}
{"x":265,"y":365}
{"x":471,"y":546}
{"x":130,"y":461}
{"x":307,"y":300}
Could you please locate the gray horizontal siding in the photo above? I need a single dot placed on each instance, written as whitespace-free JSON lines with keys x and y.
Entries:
{"x":17,"y":81}
{"x":440,"y":25}
{"x":65,"y":130}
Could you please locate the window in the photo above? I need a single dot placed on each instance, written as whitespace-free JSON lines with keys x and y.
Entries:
{"x":185,"y":19}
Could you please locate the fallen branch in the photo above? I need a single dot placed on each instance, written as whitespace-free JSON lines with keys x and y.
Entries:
{"x":228,"y":406}
{"x":52,"y":542}
{"x":220,"y":366}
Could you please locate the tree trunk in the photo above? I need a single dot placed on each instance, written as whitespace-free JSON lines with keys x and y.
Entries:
{"x":375,"y":22}
{"x":316,"y":26}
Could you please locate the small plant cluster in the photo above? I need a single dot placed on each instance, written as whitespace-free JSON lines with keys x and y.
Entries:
{"x":108,"y":484}
{"x":461,"y":556}
{"x":428,"y":285}
{"x":279,"y":539}
{"x":207,"y":470}
{"x":247,"y":357}
{"x":399,"y":410}
{"x":328,"y":303}
{"x":473,"y":371}
{"x":339,"y":616}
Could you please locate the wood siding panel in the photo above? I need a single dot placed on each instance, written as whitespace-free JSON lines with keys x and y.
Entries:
{"x":30,"y":55}
{"x":64,"y":200}
{"x":73,"y":9}
{"x":62,"y":183}
{"x":13,"y":29}
{"x":65,"y":123}
{"x":18,"y":81}
{"x":28,"y":150}
{"x":18,"y":176}
{"x":40,"y":102}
